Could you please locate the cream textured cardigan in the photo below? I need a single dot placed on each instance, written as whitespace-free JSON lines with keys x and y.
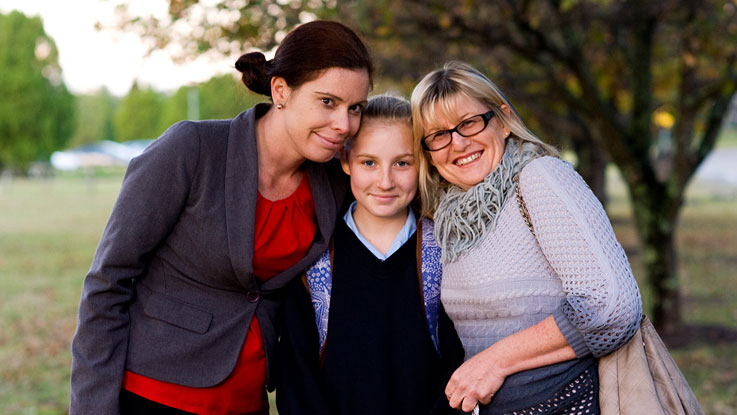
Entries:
{"x":574,"y":269}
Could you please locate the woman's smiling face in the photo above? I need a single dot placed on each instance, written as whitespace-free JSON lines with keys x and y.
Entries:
{"x":467,"y":160}
{"x":321,"y":114}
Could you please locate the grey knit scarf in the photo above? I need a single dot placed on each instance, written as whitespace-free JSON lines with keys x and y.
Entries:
{"x":464,"y":218}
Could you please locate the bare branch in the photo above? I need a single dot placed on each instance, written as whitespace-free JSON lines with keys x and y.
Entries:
{"x":716,"y":116}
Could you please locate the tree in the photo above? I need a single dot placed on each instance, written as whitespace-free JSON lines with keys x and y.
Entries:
{"x":37,"y":113}
{"x":228,"y":28}
{"x":597,"y":69}
{"x":175,"y":107}
{"x":614,"y":64}
{"x":96,"y":113}
{"x":220,"y":97}
{"x":225,"y":97}
{"x":224,"y":26}
{"x":138,"y":115}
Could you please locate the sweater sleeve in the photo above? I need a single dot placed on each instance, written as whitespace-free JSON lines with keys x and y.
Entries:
{"x":154,"y":192}
{"x":602,"y":308}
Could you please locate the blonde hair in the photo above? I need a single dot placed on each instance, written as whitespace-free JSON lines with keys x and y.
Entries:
{"x":439,"y":91}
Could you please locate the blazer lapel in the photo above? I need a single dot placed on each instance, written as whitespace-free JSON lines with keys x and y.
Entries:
{"x":241,"y":189}
{"x":325,"y":209}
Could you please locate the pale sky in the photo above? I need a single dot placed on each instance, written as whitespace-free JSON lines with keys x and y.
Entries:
{"x":90,"y":59}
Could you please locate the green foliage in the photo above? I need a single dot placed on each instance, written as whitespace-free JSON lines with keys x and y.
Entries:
{"x":220,"y":97}
{"x":226,"y":26}
{"x":138,"y":115}
{"x":145,"y":113}
{"x":37,"y":112}
{"x":594,"y":72}
{"x":587,"y":72}
{"x":96,"y":113}
{"x":225,"y":97}
{"x":174,"y":108}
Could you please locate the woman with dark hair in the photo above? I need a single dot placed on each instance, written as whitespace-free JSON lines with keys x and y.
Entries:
{"x":177,"y":310}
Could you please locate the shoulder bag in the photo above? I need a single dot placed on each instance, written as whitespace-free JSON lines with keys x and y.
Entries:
{"x":640,"y":377}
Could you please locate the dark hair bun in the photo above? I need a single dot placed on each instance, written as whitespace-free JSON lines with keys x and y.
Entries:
{"x":255,"y":72}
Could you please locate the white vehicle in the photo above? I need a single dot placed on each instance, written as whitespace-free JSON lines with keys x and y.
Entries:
{"x":98,"y":154}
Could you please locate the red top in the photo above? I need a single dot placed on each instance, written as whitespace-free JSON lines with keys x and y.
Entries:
{"x":284,"y":230}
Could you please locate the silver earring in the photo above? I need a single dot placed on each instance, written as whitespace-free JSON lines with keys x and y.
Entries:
{"x":279,"y":106}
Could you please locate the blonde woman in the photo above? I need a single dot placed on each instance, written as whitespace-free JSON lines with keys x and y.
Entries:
{"x":538,"y":287}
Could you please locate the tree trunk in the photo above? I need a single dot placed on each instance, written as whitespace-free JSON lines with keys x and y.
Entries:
{"x":656,"y":225}
{"x":591,"y":165}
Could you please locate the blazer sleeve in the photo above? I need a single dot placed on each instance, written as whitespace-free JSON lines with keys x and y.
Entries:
{"x":299,"y":387}
{"x":153,"y":194}
{"x":602,"y":308}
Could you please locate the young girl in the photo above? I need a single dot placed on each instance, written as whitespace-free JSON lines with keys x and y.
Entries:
{"x":365,"y":332}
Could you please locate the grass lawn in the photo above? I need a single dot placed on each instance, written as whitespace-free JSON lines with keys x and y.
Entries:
{"x":49,"y":230}
{"x":707,"y":248}
{"x":48,"y":233}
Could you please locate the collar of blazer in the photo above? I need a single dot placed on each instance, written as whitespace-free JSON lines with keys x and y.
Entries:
{"x":241,"y":187}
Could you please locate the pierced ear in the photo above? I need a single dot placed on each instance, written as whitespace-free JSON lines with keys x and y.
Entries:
{"x":507,"y":111}
{"x":280,"y":91}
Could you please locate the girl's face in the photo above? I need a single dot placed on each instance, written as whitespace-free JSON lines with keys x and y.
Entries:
{"x":382,"y":169}
{"x":321,"y":114}
{"x":468,"y":160}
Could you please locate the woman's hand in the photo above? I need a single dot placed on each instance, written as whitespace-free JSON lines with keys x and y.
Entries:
{"x":474,"y":381}
{"x":478,"y":379}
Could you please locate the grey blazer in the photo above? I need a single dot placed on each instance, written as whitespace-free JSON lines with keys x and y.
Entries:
{"x":171,"y":291}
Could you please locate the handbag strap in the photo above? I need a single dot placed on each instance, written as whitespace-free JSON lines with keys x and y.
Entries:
{"x":522,"y":206}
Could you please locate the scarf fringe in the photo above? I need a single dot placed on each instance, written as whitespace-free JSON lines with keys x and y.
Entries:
{"x":464,"y":218}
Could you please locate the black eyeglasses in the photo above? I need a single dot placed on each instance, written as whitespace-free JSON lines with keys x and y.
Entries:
{"x":466,"y":128}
